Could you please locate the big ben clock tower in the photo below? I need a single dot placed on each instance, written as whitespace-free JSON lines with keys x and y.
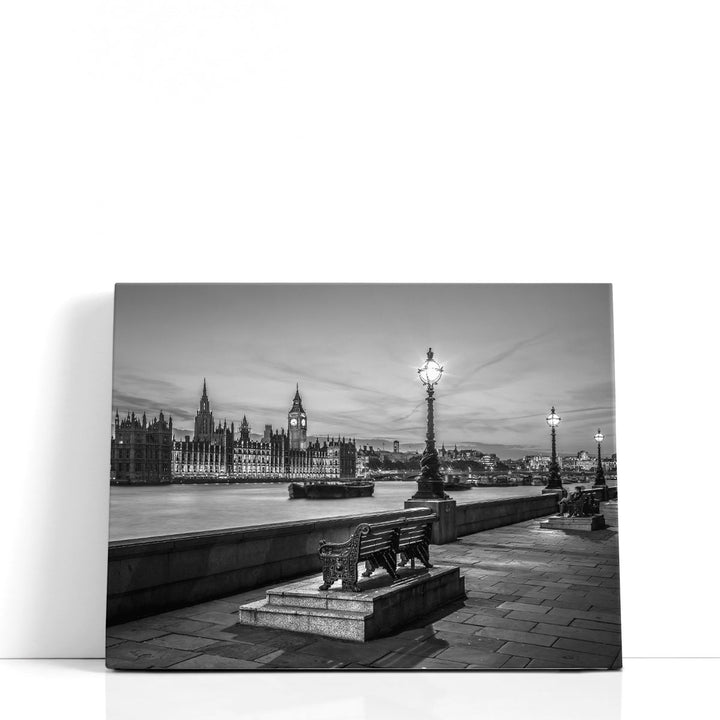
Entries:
{"x":297,"y":423}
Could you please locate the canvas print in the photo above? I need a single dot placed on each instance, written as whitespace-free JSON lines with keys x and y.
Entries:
{"x":385,"y":477}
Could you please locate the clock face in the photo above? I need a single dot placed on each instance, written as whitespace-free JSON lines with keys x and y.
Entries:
{"x":302,"y":422}
{"x":293,"y":422}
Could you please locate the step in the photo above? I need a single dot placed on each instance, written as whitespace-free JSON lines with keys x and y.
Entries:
{"x":323,"y":601}
{"x":585,"y":524}
{"x":344,"y":624}
{"x":381,"y":607}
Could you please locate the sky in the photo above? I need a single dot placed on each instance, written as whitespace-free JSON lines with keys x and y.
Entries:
{"x":509,"y":352}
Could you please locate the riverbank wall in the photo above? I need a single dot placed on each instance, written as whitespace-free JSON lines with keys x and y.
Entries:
{"x":147,"y":576}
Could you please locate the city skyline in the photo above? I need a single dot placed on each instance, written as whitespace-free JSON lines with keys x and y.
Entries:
{"x":509,"y":352}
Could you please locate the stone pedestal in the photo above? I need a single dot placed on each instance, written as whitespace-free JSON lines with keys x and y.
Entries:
{"x":444,"y":529}
{"x":604,"y":489}
{"x":380,"y":607}
{"x":585,"y":524}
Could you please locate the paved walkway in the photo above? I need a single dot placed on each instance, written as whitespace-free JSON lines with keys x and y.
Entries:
{"x":535,"y":599}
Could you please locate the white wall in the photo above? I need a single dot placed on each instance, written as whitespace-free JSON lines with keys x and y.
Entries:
{"x":259,"y":140}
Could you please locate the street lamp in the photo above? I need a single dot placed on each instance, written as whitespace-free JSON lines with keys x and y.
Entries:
{"x":599,"y":472}
{"x":430,"y":484}
{"x":554,"y":482}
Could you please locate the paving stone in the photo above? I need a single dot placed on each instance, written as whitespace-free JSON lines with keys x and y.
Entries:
{"x":275,"y":638}
{"x":587,"y":647}
{"x":453,"y":627}
{"x":182,"y":642}
{"x":145,"y":656}
{"x":500,"y":622}
{"x":584,"y":615}
{"x":593,"y":625}
{"x":568,"y":604}
{"x":603,"y":602}
{"x":217,"y":618}
{"x":549,"y":664}
{"x":539,"y":592}
{"x":479,"y":595}
{"x":576,"y":633}
{"x":215,"y":662}
{"x":571,"y":657}
{"x":525,"y":607}
{"x":473,"y":656}
{"x":489,"y":611}
{"x":217,"y":634}
{"x":269,"y":657}
{"x":349,"y":652}
{"x":539,"y":617}
{"x":399,"y":660}
{"x":456,"y":640}
{"x":183,"y":625}
{"x":515,"y":662}
{"x":436,"y":664}
{"x":517,"y":636}
{"x":212,"y":606}
{"x":459,"y":616}
{"x":413,"y":635}
{"x":302,"y":661}
{"x":118,"y":664}
{"x":577,"y":583}
{"x":506,"y":587}
{"x":138,"y":634}
{"x":241,"y":651}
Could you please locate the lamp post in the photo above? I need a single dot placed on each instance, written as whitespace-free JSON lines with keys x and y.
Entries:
{"x":430,"y":484}
{"x":554,"y":482}
{"x":599,"y":472}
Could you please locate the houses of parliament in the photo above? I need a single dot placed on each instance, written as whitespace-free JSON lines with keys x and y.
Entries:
{"x":146,"y":452}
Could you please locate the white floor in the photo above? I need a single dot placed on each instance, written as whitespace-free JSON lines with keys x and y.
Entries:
{"x":81,"y":689}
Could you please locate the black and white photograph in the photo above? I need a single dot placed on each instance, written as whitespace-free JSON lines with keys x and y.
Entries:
{"x":387,"y":477}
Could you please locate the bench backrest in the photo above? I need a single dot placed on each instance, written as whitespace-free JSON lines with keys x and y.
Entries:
{"x":395,"y":534}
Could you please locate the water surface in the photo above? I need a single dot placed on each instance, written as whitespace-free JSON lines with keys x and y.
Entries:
{"x":163,"y":510}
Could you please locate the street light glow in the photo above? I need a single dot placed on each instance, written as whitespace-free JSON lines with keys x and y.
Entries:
{"x":431,"y":370}
{"x":552,"y":419}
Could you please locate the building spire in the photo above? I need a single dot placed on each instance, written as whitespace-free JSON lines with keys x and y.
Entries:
{"x":297,"y":400}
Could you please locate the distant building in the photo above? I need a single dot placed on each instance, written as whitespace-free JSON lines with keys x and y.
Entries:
{"x":490,"y":461}
{"x":585,"y":462}
{"x":537,"y":463}
{"x":396,"y":446}
{"x":143,"y":453}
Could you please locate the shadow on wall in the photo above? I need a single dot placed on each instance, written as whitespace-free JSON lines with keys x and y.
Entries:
{"x":63,"y":545}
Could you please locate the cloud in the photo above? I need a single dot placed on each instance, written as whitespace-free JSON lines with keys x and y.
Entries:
{"x":512,"y":350}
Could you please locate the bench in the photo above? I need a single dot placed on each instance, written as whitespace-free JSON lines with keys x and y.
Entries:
{"x":378,"y":545}
{"x":587,"y":504}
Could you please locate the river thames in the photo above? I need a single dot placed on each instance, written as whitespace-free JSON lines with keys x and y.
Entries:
{"x":149,"y":511}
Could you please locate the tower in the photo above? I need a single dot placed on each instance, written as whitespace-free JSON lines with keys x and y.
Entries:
{"x":204,"y":426}
{"x":297,"y":423}
{"x":245,"y":430}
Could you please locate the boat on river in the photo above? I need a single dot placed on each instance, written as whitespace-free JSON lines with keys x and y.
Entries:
{"x":331,"y":489}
